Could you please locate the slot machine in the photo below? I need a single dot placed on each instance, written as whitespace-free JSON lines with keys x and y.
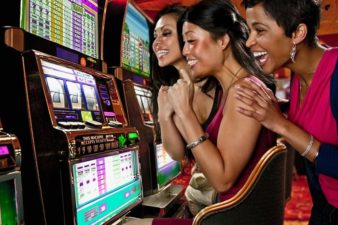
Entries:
{"x":131,"y":65}
{"x":89,"y":170}
{"x":11,"y":206}
{"x":80,"y":162}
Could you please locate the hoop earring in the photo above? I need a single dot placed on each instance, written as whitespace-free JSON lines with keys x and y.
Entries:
{"x":293,"y":52}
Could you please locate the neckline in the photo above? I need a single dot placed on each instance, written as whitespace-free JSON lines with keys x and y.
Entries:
{"x":300,"y":105}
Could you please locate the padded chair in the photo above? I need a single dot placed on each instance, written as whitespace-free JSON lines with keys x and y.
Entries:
{"x":259,"y":202}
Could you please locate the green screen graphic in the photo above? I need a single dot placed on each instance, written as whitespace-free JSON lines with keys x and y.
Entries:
{"x":8,"y":215}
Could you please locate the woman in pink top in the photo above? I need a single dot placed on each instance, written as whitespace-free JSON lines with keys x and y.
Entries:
{"x":214,"y":35}
{"x":283,"y":34}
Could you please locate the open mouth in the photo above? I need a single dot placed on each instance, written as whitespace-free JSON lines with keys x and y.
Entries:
{"x":161,"y":53}
{"x":191,"y":62}
{"x":261,"y":57}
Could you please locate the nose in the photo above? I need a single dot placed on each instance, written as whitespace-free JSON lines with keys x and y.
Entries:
{"x":250,"y":41}
{"x":155,"y":45}
{"x":185,"y":50}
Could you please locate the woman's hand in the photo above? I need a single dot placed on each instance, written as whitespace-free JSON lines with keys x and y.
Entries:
{"x":259,"y":102}
{"x":165,"y":110}
{"x":181,"y":94}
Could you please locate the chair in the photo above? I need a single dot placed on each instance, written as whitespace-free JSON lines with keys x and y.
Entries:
{"x":259,"y":202}
{"x":290,"y":163}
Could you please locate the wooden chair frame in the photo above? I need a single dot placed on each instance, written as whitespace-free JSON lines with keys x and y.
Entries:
{"x":273,"y":159}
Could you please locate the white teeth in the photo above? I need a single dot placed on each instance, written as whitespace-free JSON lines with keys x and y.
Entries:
{"x":162,"y":53}
{"x":191,"y":62}
{"x":258,"y":54}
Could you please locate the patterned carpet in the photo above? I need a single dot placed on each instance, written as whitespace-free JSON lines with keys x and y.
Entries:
{"x":297,"y":209}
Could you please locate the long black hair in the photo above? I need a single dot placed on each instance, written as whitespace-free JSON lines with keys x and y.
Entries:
{"x":168,"y":75}
{"x":220,"y":17}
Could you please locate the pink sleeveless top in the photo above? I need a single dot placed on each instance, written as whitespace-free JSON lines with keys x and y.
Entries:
{"x":266,"y":140}
{"x":315,"y":115}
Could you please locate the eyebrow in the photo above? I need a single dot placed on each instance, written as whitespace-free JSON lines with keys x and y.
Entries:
{"x":187,"y":32}
{"x":258,"y":23}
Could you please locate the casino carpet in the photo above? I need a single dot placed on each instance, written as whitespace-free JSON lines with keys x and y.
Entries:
{"x":297,"y":209}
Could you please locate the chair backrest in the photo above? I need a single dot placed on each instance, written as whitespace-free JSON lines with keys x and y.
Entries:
{"x":259,"y":202}
{"x":290,"y":164}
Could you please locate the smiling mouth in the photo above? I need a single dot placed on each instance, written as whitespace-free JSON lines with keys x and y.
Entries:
{"x":191,"y":62}
{"x":162,"y":53}
{"x":261,"y":57}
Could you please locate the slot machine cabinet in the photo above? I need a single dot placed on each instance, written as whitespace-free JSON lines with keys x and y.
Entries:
{"x":11,"y":206}
{"x":126,"y":50}
{"x":142,"y":121}
{"x":162,"y":169}
{"x":72,"y":129}
{"x":131,"y":67}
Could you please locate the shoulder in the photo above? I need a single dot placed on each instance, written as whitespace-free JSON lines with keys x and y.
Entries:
{"x":331,"y":54}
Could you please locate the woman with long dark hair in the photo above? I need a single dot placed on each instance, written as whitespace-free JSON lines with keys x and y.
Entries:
{"x":214,"y":37}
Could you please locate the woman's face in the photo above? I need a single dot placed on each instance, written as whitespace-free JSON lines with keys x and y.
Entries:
{"x":165,"y":45}
{"x":203,"y":54}
{"x":267,"y":40}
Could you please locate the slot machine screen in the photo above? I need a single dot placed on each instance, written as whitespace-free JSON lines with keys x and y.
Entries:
{"x":10,"y":199}
{"x":144,"y":99}
{"x":106,"y":187}
{"x":70,"y":23}
{"x":136,"y":43}
{"x":111,"y":104}
{"x":7,"y":157}
{"x":73,"y":93}
{"x":167,"y":169}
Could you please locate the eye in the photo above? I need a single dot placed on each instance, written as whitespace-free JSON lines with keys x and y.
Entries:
{"x":166,"y":33}
{"x":259,"y":30}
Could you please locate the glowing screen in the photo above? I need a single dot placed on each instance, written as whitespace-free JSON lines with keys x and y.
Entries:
{"x":135,"y":43}
{"x":73,"y":93}
{"x":4,"y":150}
{"x":144,"y":99}
{"x":71,"y":23}
{"x":167,"y":168}
{"x":8,"y":213}
{"x":90,"y":93}
{"x":111,"y":105}
{"x":106,"y":186}
{"x":57,"y":92}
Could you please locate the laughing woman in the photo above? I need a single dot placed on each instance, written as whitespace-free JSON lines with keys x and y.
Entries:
{"x":283,"y":34}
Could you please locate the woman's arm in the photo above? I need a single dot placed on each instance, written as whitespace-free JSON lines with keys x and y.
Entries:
{"x":221,"y":164}
{"x":261,"y":104}
{"x":172,"y":140}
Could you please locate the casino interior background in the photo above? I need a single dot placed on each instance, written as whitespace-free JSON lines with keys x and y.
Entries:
{"x":77,"y":139}
{"x":328,"y":31}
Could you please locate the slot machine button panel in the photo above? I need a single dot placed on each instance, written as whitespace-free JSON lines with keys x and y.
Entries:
{"x":94,"y":124}
{"x":115,"y":124}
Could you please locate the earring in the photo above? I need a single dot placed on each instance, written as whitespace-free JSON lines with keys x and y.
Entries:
{"x":293,"y":52}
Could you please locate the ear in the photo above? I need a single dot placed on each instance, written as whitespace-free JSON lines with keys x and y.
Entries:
{"x":224,"y":41}
{"x":300,"y":34}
